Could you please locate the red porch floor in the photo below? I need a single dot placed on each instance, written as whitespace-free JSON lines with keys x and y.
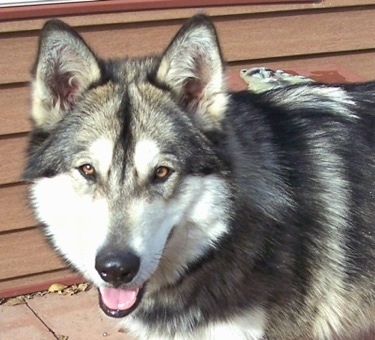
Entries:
{"x":62,"y":317}
{"x":66,"y":317}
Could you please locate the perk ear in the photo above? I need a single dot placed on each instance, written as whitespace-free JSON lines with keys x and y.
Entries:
{"x":192,"y":68}
{"x":64,"y":68}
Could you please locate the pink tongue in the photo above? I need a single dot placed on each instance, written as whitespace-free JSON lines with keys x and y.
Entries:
{"x":119,"y":299}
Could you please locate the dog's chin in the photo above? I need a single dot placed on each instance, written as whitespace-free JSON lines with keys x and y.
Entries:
{"x":117,"y":302}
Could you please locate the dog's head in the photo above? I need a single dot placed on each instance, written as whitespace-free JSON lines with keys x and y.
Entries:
{"x":124,"y":158}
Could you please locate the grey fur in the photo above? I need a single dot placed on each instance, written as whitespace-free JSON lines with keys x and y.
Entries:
{"x":261,"y":228}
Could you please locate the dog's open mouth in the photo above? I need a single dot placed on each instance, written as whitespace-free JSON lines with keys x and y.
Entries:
{"x":118,"y":302}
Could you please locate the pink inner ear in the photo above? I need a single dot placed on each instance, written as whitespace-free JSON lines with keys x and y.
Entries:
{"x":70,"y":95}
{"x":66,"y":90}
{"x":70,"y":91}
{"x":193,"y":91}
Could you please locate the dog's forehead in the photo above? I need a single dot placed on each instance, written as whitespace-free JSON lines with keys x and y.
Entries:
{"x":99,"y":107}
{"x":102,"y":150}
{"x":126,"y":113}
{"x":149,"y":112}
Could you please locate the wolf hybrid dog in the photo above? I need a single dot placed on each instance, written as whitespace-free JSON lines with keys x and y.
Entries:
{"x":197,"y":212}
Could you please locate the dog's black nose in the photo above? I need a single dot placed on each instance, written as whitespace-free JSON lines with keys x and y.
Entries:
{"x":116,"y":266}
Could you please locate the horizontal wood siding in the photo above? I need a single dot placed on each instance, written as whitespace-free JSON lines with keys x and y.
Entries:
{"x":53,"y":10}
{"x":14,"y":212}
{"x":14,"y":101}
{"x":332,"y":35}
{"x":38,"y":258}
{"x":12,"y":151}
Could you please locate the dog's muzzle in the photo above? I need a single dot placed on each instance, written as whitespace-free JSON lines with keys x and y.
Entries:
{"x":118,"y":267}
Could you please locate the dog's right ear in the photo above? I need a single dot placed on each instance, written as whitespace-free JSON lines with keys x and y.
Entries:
{"x":192,"y":68}
{"x":64,"y":68}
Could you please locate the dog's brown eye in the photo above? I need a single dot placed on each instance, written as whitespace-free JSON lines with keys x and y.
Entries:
{"x":162,"y":173}
{"x":87,"y":170}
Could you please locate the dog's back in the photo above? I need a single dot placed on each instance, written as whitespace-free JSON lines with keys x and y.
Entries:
{"x":314,"y":164}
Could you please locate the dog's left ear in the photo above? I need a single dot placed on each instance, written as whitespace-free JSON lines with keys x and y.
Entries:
{"x":192,"y":68}
{"x":64,"y":68}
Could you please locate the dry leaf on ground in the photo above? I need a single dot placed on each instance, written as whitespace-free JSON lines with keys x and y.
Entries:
{"x":19,"y":300}
{"x":56,"y":287}
{"x":62,"y":337}
{"x":68,"y":290}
